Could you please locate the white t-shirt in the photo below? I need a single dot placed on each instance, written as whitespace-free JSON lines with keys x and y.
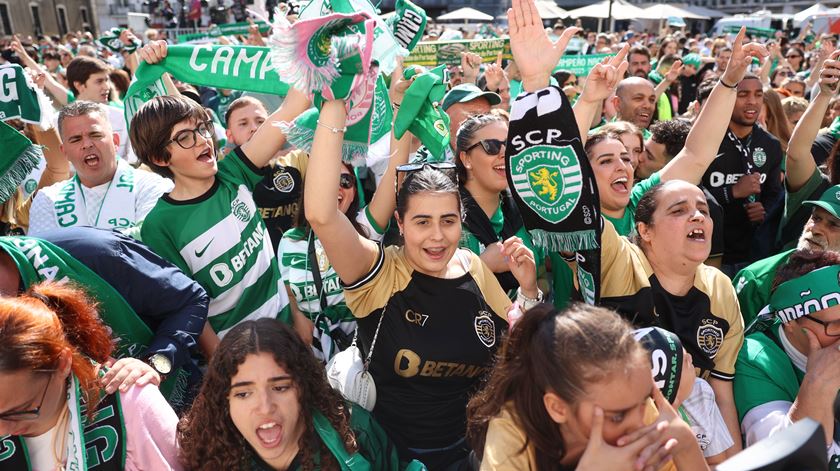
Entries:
{"x":41,"y":452}
{"x":706,"y":420}
{"x":117,"y":120}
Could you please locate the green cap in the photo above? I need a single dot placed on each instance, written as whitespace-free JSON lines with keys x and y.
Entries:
{"x":829,"y":201}
{"x":468,"y":92}
{"x":692,"y":59}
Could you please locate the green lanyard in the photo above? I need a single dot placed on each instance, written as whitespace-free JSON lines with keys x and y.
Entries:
{"x":684,"y":416}
{"x":101,"y":204}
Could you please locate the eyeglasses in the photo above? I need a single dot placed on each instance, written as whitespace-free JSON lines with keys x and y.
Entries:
{"x":187,"y":138}
{"x":792,"y":56}
{"x":31,"y":414}
{"x":346,"y":181}
{"x":490,"y":146}
{"x":831,"y":328}
{"x":404,"y":170}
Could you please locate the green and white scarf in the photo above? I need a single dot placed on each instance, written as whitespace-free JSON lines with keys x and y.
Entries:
{"x":97,"y":445}
{"x":21,"y":99}
{"x":408,"y":23}
{"x":420,"y":111}
{"x":111,"y":41}
{"x":806,"y":295}
{"x":19,"y":158}
{"x":229,"y":29}
{"x":116,"y":211}
{"x":38,"y":260}
{"x":245,"y":68}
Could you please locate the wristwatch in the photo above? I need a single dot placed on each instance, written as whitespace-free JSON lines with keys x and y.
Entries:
{"x":160,"y":363}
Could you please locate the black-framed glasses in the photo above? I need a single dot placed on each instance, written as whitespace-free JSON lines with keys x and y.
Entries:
{"x":187,"y":138}
{"x":31,"y":414}
{"x":831,"y":328}
{"x":404,"y":170}
{"x":490,"y":146}
{"x":346,"y":181}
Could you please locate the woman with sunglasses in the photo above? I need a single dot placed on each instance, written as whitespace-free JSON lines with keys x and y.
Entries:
{"x":311,"y":281}
{"x":54,"y":414}
{"x":430,"y":315}
{"x":795,"y":58}
{"x":491,"y":214}
{"x":791,"y":369}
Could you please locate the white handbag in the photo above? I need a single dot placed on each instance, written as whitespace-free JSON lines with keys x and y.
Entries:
{"x":347,"y":373}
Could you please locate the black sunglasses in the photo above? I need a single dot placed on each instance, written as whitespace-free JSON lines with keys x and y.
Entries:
{"x":346,"y":181}
{"x":31,"y":414}
{"x":404,"y":170}
{"x":490,"y":146}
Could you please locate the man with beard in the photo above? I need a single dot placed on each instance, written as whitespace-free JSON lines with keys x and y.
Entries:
{"x":745,"y":176}
{"x":639,"y":60}
{"x":635,"y":101}
{"x":106,"y":191}
{"x":753,"y":284}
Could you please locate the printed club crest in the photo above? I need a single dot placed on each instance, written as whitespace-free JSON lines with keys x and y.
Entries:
{"x":709,"y":339}
{"x":759,"y":157}
{"x":485,"y":329}
{"x":548,"y":179}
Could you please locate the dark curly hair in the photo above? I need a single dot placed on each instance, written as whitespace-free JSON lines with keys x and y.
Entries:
{"x":672,"y":134}
{"x":208,"y":438}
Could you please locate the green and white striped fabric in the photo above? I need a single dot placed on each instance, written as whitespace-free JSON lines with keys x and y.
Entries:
{"x":219,"y":239}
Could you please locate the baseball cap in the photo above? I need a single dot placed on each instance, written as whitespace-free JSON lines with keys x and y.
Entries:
{"x":829,"y":201}
{"x":468,"y":92}
{"x":691,"y":59}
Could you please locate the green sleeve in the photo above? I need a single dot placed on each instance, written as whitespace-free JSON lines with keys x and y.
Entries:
{"x":562,"y":280}
{"x":794,"y":199}
{"x":374,"y":443}
{"x":751,"y":295}
{"x":639,"y":190}
{"x":763,"y":373}
{"x":154,"y":235}
{"x":238,"y":168}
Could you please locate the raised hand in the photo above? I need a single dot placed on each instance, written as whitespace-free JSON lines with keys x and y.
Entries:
{"x":600,"y":455}
{"x":830,"y":74}
{"x":741,"y":58}
{"x":470,"y":65}
{"x":603,"y":78}
{"x":676,"y":70}
{"x":535,"y":54}
{"x":494,"y":75}
{"x":153,"y":52}
{"x":521,"y":263}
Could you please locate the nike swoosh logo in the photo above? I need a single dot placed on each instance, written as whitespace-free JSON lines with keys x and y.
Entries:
{"x":199,"y":253}
{"x":720,"y":155}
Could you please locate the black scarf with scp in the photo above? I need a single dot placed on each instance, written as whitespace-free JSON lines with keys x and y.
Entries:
{"x":552,"y":182}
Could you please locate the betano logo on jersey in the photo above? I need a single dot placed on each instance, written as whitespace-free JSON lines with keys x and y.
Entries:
{"x":408,"y":364}
{"x":222,"y":274}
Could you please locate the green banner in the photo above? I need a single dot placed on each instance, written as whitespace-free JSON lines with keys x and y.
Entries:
{"x":231,"y":29}
{"x":752,"y":31}
{"x":434,"y":53}
{"x":580,"y":65}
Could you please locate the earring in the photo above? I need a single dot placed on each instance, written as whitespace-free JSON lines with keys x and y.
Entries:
{"x":468,"y":167}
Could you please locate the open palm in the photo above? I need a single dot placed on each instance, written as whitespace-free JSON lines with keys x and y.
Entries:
{"x":534,"y":53}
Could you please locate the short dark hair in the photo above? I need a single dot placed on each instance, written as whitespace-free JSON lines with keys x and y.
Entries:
{"x":151,"y":125}
{"x":672,"y":134}
{"x":803,"y":262}
{"x":640,"y":50}
{"x":81,"y":68}
{"x":705,"y":89}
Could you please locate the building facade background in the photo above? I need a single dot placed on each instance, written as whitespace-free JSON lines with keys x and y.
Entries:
{"x":47,"y":17}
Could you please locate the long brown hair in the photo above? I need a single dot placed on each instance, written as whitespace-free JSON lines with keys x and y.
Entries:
{"x":777,"y":123}
{"x":562,"y":352}
{"x":36,"y":327}
{"x":207,"y":435}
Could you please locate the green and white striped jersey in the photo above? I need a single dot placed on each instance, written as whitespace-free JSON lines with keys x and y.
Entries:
{"x":220,"y":241}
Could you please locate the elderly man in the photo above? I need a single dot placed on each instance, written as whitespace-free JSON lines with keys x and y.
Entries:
{"x":105,"y":192}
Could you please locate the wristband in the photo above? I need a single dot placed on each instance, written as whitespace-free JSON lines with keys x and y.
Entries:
{"x":526,"y":302}
{"x":334,"y":130}
{"x":733,"y":87}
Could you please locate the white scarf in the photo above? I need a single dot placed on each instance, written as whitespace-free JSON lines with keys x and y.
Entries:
{"x":116,"y":211}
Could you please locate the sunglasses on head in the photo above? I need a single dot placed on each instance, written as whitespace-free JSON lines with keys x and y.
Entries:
{"x":490,"y":146}
{"x":346,"y":181}
{"x":403,"y":171}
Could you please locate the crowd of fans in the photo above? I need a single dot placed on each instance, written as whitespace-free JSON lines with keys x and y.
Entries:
{"x":188,"y":287}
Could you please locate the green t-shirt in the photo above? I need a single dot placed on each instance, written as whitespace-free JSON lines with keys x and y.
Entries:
{"x":624,"y":225}
{"x":754,"y":282}
{"x":562,"y":280}
{"x":764,"y":373}
{"x":220,"y":240}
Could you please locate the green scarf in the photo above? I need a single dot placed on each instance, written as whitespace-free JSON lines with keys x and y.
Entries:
{"x":580,"y":65}
{"x":420,"y":111}
{"x":99,"y":444}
{"x":434,"y":53}
{"x":230,"y":29}
{"x":111,"y":41}
{"x":116,"y":211}
{"x":807,"y":294}
{"x":38,"y":260}
{"x":21,"y":99}
{"x":20,"y":157}
{"x":408,"y":23}
{"x":235,"y":67}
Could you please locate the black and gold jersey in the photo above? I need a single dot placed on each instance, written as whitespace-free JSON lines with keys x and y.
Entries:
{"x":436,"y":342}
{"x":707,"y":319}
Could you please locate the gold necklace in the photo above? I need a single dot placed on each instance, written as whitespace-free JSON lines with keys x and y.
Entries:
{"x":61,"y":429}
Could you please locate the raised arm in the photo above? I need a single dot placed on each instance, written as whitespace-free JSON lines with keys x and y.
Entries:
{"x":800,"y":162}
{"x":676,"y":69}
{"x":600,"y":84}
{"x":350,"y":254}
{"x":708,"y":131}
{"x":58,"y":168}
{"x":57,"y":90}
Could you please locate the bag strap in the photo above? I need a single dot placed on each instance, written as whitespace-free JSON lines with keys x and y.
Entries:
{"x":316,"y":271}
{"x":325,"y":430}
{"x":375,"y":335}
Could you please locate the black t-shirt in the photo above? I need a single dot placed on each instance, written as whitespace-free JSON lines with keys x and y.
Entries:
{"x":821,"y":148}
{"x":731,"y":163}
{"x":277,"y":197}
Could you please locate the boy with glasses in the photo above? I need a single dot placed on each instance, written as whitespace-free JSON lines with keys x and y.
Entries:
{"x":791,"y":369}
{"x":209,"y":225}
